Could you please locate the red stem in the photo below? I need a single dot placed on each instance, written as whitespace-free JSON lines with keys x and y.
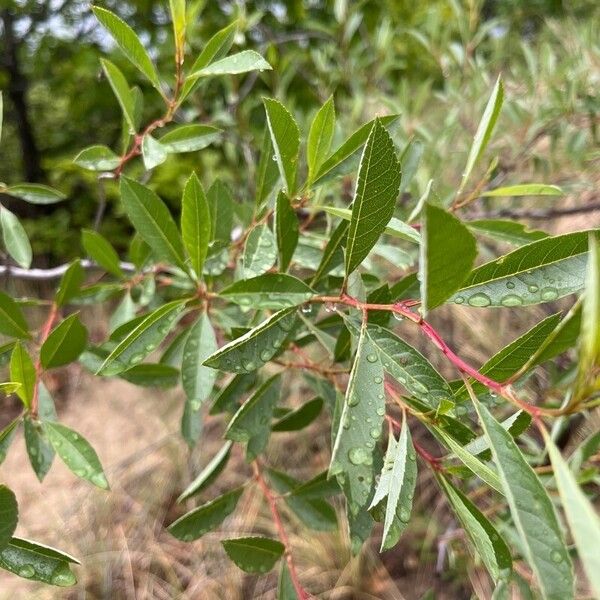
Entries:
{"x":270,"y":498}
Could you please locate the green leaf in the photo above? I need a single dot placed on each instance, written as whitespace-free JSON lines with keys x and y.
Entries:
{"x":209,"y":473}
{"x":99,"y":249}
{"x":35,"y":193}
{"x":285,"y":586}
{"x":189,"y":138}
{"x":195,"y":223}
{"x":143,"y":338}
{"x":6,"y":437}
{"x":221,"y":211}
{"x":12,"y":321}
{"x":332,"y":254}
{"x":252,"y":422}
{"x":267,"y":173}
{"x":490,"y":546}
{"x":286,"y":230}
{"x":484,"y":130}
{"x":97,"y":158}
{"x":410,"y":159}
{"x":397,"y":484}
{"x":153,"y":221}
{"x":256,"y":347}
{"x":448,"y":251}
{"x":15,"y":238}
{"x":205,"y":518}
{"x":152,"y":375}
{"x":31,"y":560}
{"x":542,"y":271}
{"x":76,"y":453}
{"x":409,"y":367}
{"x":479,"y":468}
{"x":506,"y":231}
{"x":153,"y":152}
{"x":301,"y":417}
{"x":228,"y":399}
{"x":582,"y":516}
{"x":260,"y":251}
{"x":316,"y":514}
{"x":254,"y":554}
{"x":375,"y":197}
{"x":235,"y":64}
{"x":178,"y":17}
{"x":70,"y":283}
{"x":525,"y":189}
{"x":120,"y":87}
{"x":343,"y":155}
{"x":9,"y":514}
{"x":268,"y":291}
{"x":285,"y":137}
{"x":129,"y":43}
{"x":22,"y":370}
{"x":198,"y":380}
{"x":320,"y":137}
{"x":532,"y":512}
{"x":64,"y":344}
{"x":39,"y":450}
{"x":360,"y":425}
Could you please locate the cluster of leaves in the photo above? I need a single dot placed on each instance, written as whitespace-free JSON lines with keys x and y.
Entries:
{"x":258,"y":274}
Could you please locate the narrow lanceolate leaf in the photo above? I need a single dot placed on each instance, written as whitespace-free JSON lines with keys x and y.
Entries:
{"x":15,"y":238}
{"x":542,"y":271}
{"x":129,"y":43}
{"x":397,"y":484}
{"x":506,"y":231}
{"x":64,"y":344}
{"x":189,"y":138}
{"x":286,"y":230}
{"x":205,"y":518}
{"x":70,"y":283}
{"x":153,"y":152}
{"x":252,"y":422}
{"x":35,"y":193}
{"x":260,"y":251}
{"x":409,"y":367}
{"x":269,"y":291}
{"x":267,"y":172}
{"x":301,"y":417}
{"x":6,"y":437}
{"x":177,"y":10}
{"x":376,"y":192}
{"x":254,"y":554}
{"x":360,"y":425}
{"x":484,"y":130}
{"x":97,"y":158}
{"x":39,"y":450}
{"x":256,"y":347}
{"x":209,"y":473}
{"x":285,"y":137}
{"x":582,"y":516}
{"x":235,"y":64}
{"x":195,"y":223}
{"x":491,"y":548}
{"x":448,"y":251}
{"x":320,"y":137}
{"x":198,"y":380}
{"x":532,"y":512}
{"x":285,"y":585}
{"x":22,"y":370}
{"x":220,"y":202}
{"x":229,"y":397}
{"x":9,"y":513}
{"x":525,"y":189}
{"x":342,"y":157}
{"x":100,"y":250}
{"x":153,"y":221}
{"x":143,"y":339}
{"x":76,"y":453}
{"x":38,"y":562}
{"x":121,"y":89}
{"x":12,"y":321}
{"x":395,"y":227}
{"x":333,"y":254}
{"x":152,"y":375}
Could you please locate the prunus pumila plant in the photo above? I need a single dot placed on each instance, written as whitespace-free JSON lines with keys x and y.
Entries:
{"x":240,"y":295}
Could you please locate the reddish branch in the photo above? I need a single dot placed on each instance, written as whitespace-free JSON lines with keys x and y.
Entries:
{"x":271,"y":500}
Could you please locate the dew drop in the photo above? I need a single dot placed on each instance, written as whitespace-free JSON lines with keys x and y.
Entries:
{"x":372,"y":358}
{"x":380,"y":411}
{"x":26,"y":571}
{"x":479,"y":300}
{"x":63,"y":576}
{"x":276,"y":343}
{"x":306,"y":309}
{"x":459,"y":300}
{"x":533,"y":288}
{"x":378,"y":379}
{"x":549,"y":294}
{"x":195,"y":405}
{"x":556,"y":557}
{"x":274,"y":157}
{"x":265,"y":355}
{"x":511,"y":300}
{"x":136,"y":358}
{"x":359,"y":456}
{"x":330,"y":307}
{"x":510,"y":285}
{"x":404,"y":515}
{"x":353,"y":400}
{"x":248,"y":365}
{"x":150,"y":347}
{"x":398,"y":316}
{"x":375,"y":433}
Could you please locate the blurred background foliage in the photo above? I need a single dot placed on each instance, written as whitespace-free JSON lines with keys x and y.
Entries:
{"x":433,"y":62}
